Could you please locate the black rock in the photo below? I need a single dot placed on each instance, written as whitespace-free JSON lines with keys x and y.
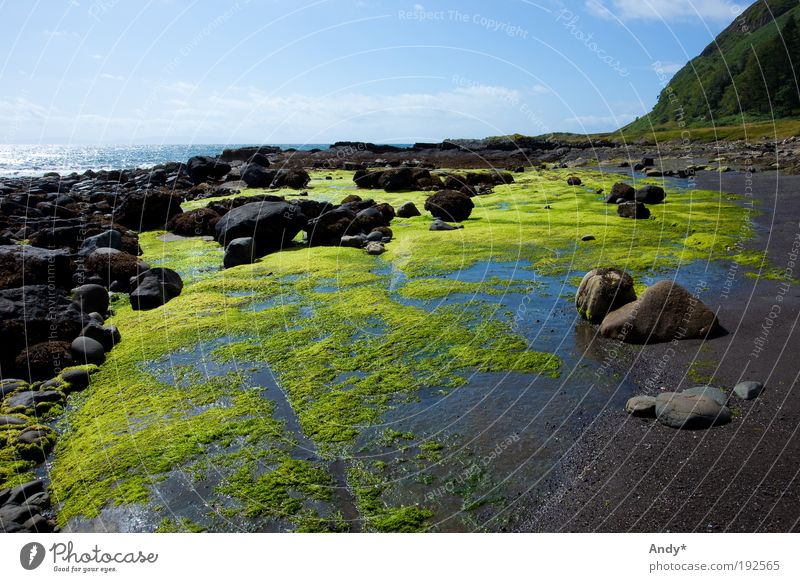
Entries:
{"x":154,"y":288}
{"x":91,"y":298}
{"x":257,"y":176}
{"x":240,"y":251}
{"x":77,"y":379}
{"x":201,"y":168}
{"x":633,"y":210}
{"x":33,"y":265}
{"x":109,"y":239}
{"x":408,"y":210}
{"x":650,"y":194}
{"x":107,"y":335}
{"x":450,"y":206}
{"x":272,"y":225}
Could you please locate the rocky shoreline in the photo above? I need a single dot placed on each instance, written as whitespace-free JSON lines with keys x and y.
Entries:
{"x":69,"y":245}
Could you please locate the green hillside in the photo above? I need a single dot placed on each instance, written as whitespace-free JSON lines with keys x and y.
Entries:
{"x":746,"y":74}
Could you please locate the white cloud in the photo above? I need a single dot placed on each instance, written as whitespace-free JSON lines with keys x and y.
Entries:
{"x":112,"y":77}
{"x":599,"y":122}
{"x":667,"y":68}
{"x":419,"y":8}
{"x":667,"y":10}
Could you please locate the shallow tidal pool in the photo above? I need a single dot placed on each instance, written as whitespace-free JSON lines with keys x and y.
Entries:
{"x":322,"y":389}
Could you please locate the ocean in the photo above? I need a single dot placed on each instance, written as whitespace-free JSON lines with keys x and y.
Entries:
{"x":38,"y":159}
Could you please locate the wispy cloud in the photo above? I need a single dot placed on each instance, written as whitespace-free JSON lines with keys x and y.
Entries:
{"x":252,"y":114}
{"x":666,"y":10}
{"x":668,"y":68}
{"x":595,"y":122}
{"x":112,"y":77}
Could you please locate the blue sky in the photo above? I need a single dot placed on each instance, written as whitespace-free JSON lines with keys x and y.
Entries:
{"x":315,"y":71}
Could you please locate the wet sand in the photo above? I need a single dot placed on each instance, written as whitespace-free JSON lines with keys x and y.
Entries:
{"x":626,"y":474}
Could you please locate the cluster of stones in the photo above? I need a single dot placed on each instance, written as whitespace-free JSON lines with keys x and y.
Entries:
{"x":253,"y":229}
{"x":422,"y":179}
{"x":694,"y":408}
{"x":26,"y":508}
{"x":631,"y":202}
{"x":665,"y":312}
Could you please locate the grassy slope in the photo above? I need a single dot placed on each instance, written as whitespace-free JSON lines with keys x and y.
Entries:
{"x":730,"y":49}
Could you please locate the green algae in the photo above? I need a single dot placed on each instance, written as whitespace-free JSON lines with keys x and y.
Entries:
{"x":273,"y":494}
{"x":342,"y":346}
{"x":182,"y":525}
{"x":378,"y":516}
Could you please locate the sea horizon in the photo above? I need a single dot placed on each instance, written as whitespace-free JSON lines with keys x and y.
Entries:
{"x":34,"y":160}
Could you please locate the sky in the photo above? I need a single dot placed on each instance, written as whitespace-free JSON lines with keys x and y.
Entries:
{"x":318,"y":71}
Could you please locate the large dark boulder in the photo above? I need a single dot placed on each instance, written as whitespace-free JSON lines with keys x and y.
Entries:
{"x":408,"y":210}
{"x":154,"y":288}
{"x":33,"y":314}
{"x":148,"y":210}
{"x":621,"y":192}
{"x":650,"y":194}
{"x":91,"y":298}
{"x":449,"y":205}
{"x":312,"y":208}
{"x":397,"y":179}
{"x":665,"y":312}
{"x":257,"y":176}
{"x":198,"y":222}
{"x":331,"y":226}
{"x":240,"y":251}
{"x":109,"y":239}
{"x":28,"y":265}
{"x":369,"y":219}
{"x":203,"y":168}
{"x":291,"y":178}
{"x":272,"y":225}
{"x":86,"y":350}
{"x":257,"y":154}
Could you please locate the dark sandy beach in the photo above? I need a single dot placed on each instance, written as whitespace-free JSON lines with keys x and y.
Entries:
{"x":625,"y":474}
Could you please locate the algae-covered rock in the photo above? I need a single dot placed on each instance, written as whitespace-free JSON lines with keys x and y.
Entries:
{"x":44,"y":359}
{"x":632,"y":210}
{"x":450,"y":206}
{"x":602,"y":291}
